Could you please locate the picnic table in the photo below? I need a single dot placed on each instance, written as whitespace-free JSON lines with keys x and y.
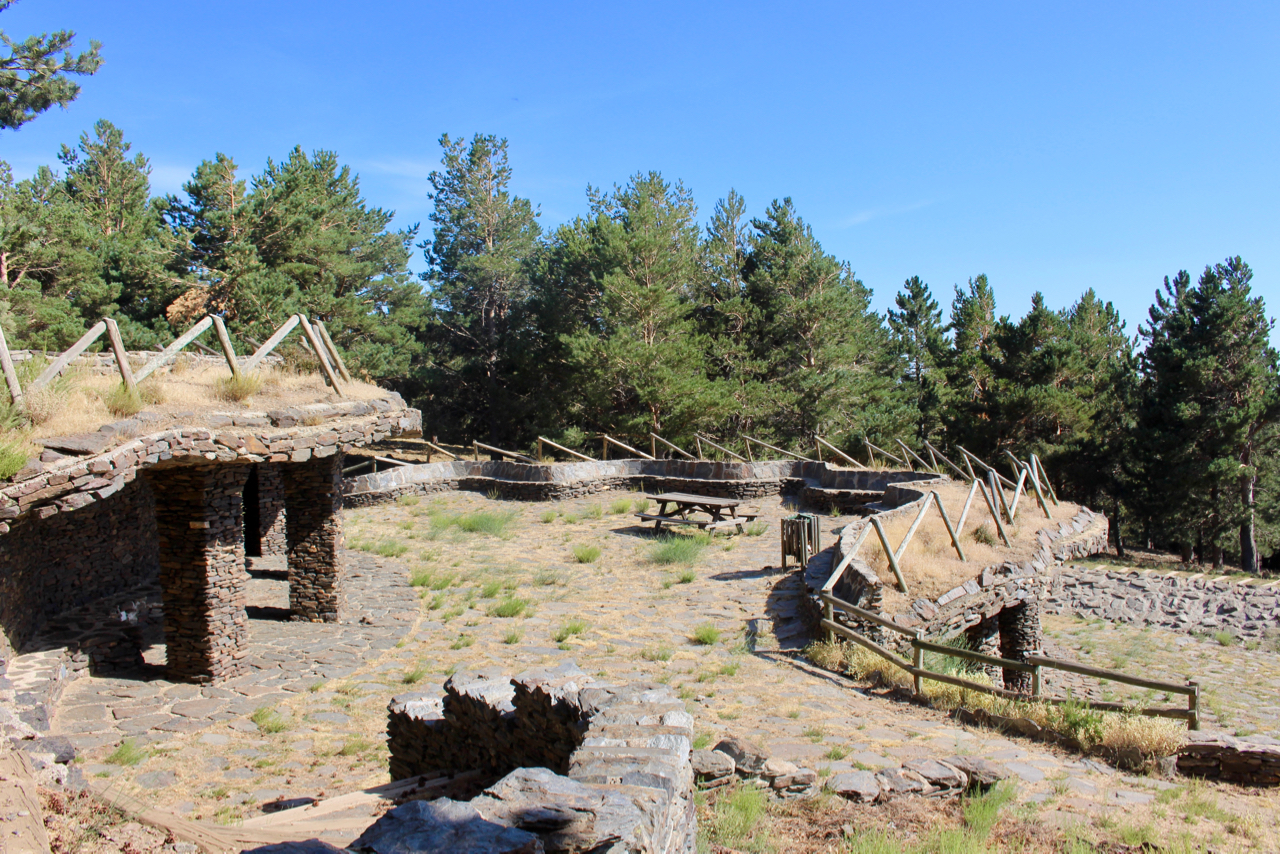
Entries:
{"x":675,"y":508}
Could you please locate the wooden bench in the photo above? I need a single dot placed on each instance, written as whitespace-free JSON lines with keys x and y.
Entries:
{"x":703,"y":524}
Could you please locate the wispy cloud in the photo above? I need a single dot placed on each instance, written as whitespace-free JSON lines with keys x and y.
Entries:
{"x":868,"y":214}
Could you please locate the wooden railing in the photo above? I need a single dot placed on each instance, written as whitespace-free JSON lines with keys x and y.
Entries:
{"x":1034,"y":664}
{"x":315,"y":335}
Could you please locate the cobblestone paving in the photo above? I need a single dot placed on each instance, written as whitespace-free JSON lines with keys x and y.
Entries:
{"x":320,"y":691}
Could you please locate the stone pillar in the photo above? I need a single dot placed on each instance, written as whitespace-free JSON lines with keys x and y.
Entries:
{"x":1019,"y":635}
{"x":202,"y":575}
{"x":271,"y":510}
{"x":985,"y":638}
{"x":313,"y":522}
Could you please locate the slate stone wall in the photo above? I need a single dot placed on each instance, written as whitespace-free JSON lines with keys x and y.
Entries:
{"x":313,"y":495}
{"x":271,"y":510}
{"x":202,"y":575}
{"x":51,"y":565}
{"x":559,"y":741}
{"x":1173,"y":602}
{"x":1219,"y":756}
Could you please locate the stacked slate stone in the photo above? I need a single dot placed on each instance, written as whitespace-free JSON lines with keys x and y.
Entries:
{"x":626,"y":750}
{"x":1232,"y":760}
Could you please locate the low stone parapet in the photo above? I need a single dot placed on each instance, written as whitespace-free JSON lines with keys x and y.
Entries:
{"x":1231,"y":760}
{"x":612,"y":761}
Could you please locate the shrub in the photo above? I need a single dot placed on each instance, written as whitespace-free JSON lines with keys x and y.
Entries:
{"x":128,"y":753}
{"x":586,"y":553}
{"x":513,"y":637}
{"x":408,"y":500}
{"x":1224,"y":638}
{"x":490,"y":590}
{"x":620,"y":505}
{"x":237,"y":387}
{"x":420,"y":578}
{"x":595,"y":511}
{"x":548,"y":517}
{"x":1149,"y":737}
{"x":640,"y":505}
{"x":569,"y":629}
{"x":736,"y":817}
{"x":983,"y":534}
{"x":678,"y":548}
{"x":413,"y":676}
{"x":706,"y":634}
{"x":687,"y":576}
{"x":755,"y":529}
{"x":121,"y":402}
{"x":512,"y":606}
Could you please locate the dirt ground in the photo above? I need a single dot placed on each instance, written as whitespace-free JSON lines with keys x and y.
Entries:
{"x":517,"y":585}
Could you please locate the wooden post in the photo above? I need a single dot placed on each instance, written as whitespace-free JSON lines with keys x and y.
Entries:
{"x":917,"y":662}
{"x":227,"y":350}
{"x":60,"y":364}
{"x":947,"y":460}
{"x":10,"y":373}
{"x":697,"y":444}
{"x":775,"y":448}
{"x":871,"y":458}
{"x":333,"y":351}
{"x":973,"y":489}
{"x":1035,"y":681}
{"x":1044,"y":505}
{"x":995,"y":511}
{"x":1053,"y":493}
{"x":604,"y":447}
{"x":122,"y":357}
{"x":612,"y":441}
{"x":817,"y":448}
{"x":718,"y":447}
{"x":319,"y":348}
{"x":168,"y":353}
{"x":994,"y":482}
{"x":541,"y":440}
{"x":955,"y":537}
{"x":439,"y":449}
{"x":888,"y":552}
{"x":270,"y":344}
{"x":654,"y":437}
{"x":839,"y":453}
{"x":750,"y":456}
{"x":1193,"y":706}
{"x":828,"y":612}
{"x":539,"y":449}
{"x":653,"y":447}
{"x":911,"y":532}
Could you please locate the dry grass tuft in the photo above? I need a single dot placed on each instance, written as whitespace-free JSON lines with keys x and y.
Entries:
{"x":237,"y":387}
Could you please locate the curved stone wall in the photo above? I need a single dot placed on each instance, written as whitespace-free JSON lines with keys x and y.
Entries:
{"x":820,"y":484}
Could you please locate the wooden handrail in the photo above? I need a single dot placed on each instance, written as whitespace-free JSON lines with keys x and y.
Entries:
{"x":843,"y":455}
{"x":10,"y":373}
{"x":512,"y":454}
{"x":1099,"y":673}
{"x":833,"y":626}
{"x":60,"y":364}
{"x":947,"y":460}
{"x":270,"y":344}
{"x":883,"y":451}
{"x":869,"y":616}
{"x":970,"y":655}
{"x":749,"y":439}
{"x":985,"y":467}
{"x":542,"y":441}
{"x":681,"y":451}
{"x":720,"y":448}
{"x":605,"y":437}
{"x":441,"y":450}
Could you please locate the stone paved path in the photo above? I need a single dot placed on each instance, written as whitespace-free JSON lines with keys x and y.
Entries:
{"x":321,"y":690}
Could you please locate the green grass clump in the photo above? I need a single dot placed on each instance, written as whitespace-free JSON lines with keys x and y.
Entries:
{"x":586,"y":553}
{"x":390,"y":548}
{"x":354,"y":747}
{"x":268,"y":720}
{"x":640,"y":505}
{"x":547,"y":577}
{"x":490,"y":590}
{"x":420,"y":578}
{"x":548,"y":517}
{"x":702,"y":740}
{"x":656,"y":653}
{"x":706,"y":634}
{"x":595,"y":511}
{"x":121,"y":402}
{"x":237,"y":387}
{"x":1224,"y":638}
{"x":414,"y":676}
{"x":678,"y":548}
{"x":737,"y":817}
{"x":443,"y":582}
{"x":408,"y":500}
{"x":462,"y":642}
{"x":513,"y":637}
{"x":570,"y":628}
{"x":512,"y":606}
{"x":128,"y":753}
{"x":755,"y":529}
{"x":491,"y":522}
{"x":687,"y":576}
{"x":836,"y":752}
{"x":620,"y":505}
{"x":12,"y":458}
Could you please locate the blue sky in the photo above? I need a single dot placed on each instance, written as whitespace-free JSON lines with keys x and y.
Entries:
{"x":1054,"y":147}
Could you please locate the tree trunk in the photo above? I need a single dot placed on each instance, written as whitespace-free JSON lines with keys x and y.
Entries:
{"x":1115,"y":528}
{"x":1248,"y":543}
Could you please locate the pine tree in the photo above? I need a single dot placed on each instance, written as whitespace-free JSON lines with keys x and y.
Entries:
{"x":641,"y":362}
{"x":918,"y":337}
{"x":480,"y":258}
{"x":34,"y":78}
{"x":968,"y":364}
{"x":1210,"y":392}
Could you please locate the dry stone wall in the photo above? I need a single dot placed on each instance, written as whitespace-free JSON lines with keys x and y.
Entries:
{"x":1219,"y":756}
{"x":1170,"y":601}
{"x":612,"y":761}
{"x":818,"y":483}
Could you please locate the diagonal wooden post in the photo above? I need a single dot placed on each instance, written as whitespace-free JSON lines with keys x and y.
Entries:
{"x":946,"y":520}
{"x":968,"y":502}
{"x":333,"y":350}
{"x":1044,"y":505}
{"x":270,"y":344}
{"x":168,"y":353}
{"x":10,"y":373}
{"x":60,"y":364}
{"x":122,"y":357}
{"x":228,"y":352}
{"x":888,"y":552}
{"x":994,"y":483}
{"x":319,"y":348}
{"x":995,"y":511}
